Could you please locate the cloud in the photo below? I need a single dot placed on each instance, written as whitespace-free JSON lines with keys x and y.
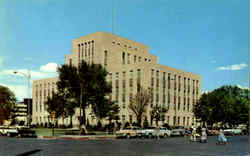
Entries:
{"x":50,"y":67}
{"x":243,"y":87}
{"x":20,"y":91}
{"x":233,"y":67}
{"x":18,"y":82}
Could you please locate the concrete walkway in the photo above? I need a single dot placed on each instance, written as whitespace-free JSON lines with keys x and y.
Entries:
{"x":79,"y":137}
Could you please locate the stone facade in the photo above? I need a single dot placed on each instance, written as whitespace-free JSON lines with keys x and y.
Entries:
{"x":128,"y":63}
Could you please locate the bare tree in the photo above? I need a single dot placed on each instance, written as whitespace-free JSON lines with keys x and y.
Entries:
{"x":139,"y":102}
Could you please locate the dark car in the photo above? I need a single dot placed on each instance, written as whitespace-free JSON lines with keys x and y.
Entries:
{"x":27,"y":133}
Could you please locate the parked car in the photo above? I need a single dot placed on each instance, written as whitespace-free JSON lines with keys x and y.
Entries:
{"x":8,"y":131}
{"x":164,"y":132}
{"x":129,"y":132}
{"x":151,"y":132}
{"x":26,"y":133}
{"x":178,"y":131}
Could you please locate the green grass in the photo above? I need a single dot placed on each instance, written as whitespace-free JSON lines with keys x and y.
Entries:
{"x":58,"y":132}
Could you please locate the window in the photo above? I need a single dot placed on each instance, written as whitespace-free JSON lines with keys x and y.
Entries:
{"x":123,"y":57}
{"x":123,"y":118}
{"x":135,"y":59}
{"x":139,"y":59}
{"x":179,"y":102}
{"x":157,"y":98}
{"x":169,"y":80}
{"x":105,"y":57}
{"x":130,"y":119}
{"x":70,"y":61}
{"x":128,"y":58}
{"x":123,"y":97}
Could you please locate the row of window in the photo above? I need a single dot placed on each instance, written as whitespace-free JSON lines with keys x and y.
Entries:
{"x":135,"y":58}
{"x":125,"y":46}
{"x":186,"y":88}
{"x":86,"y":51}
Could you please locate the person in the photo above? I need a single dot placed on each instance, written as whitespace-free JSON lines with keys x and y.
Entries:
{"x":203,"y":135}
{"x":193,"y":135}
{"x":222,"y":140}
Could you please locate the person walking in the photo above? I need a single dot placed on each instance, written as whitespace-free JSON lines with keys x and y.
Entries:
{"x":203,"y":136}
{"x":222,"y":140}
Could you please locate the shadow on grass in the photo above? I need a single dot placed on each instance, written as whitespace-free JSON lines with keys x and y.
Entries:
{"x":29,"y":152}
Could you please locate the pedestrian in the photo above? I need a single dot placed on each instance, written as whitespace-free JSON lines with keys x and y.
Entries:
{"x":193,"y":135}
{"x":203,"y":135}
{"x":222,"y":140}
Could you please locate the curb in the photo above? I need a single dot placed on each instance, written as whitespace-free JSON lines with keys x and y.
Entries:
{"x":46,"y":137}
{"x":86,"y":137}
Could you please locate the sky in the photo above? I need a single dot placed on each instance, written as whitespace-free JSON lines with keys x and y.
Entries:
{"x":205,"y":37}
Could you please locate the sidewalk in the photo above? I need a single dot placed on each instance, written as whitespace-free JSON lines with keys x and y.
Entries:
{"x":79,"y":137}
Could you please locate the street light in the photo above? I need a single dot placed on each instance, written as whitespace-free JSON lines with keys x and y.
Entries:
{"x":28,"y":76}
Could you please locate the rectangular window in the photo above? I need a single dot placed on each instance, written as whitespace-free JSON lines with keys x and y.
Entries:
{"x":130,"y":119}
{"x":105,"y":57}
{"x":123,"y":57}
{"x":135,"y":59}
{"x":123,"y":118}
{"x":128,"y":58}
{"x":169,"y":80}
{"x":123,"y":97}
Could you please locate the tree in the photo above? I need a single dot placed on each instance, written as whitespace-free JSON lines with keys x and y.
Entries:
{"x":138,"y":103}
{"x":157,"y":113}
{"x":228,"y":105}
{"x":7,"y":104}
{"x":55,"y":103}
{"x":85,"y":85}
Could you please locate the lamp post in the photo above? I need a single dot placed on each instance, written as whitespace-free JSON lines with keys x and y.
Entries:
{"x":28,"y":76}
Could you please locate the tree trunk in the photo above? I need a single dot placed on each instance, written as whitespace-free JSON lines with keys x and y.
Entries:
{"x":71,"y":121}
{"x":139,"y":120}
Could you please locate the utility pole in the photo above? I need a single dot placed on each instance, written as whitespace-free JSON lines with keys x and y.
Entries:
{"x":28,"y":76}
{"x":80,"y":110}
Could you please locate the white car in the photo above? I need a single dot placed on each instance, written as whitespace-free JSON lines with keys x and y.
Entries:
{"x":9,"y":131}
{"x":164,"y":132}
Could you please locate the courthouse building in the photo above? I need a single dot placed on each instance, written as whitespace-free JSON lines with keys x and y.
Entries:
{"x":128,"y":63}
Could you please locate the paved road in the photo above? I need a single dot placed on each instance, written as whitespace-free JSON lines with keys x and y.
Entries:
{"x":179,"y":146}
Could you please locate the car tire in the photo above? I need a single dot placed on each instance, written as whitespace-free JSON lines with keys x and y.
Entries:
{"x":165,"y":136}
{"x":127,"y":136}
{"x":150,"y":136}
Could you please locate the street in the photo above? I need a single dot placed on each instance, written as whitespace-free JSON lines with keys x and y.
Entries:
{"x":174,"y":146}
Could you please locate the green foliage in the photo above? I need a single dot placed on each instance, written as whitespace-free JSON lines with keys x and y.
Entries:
{"x":56,"y":103}
{"x":7,"y":104}
{"x":157,"y":113}
{"x":227,"y":104}
{"x":127,"y":124}
{"x":86,"y":85}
